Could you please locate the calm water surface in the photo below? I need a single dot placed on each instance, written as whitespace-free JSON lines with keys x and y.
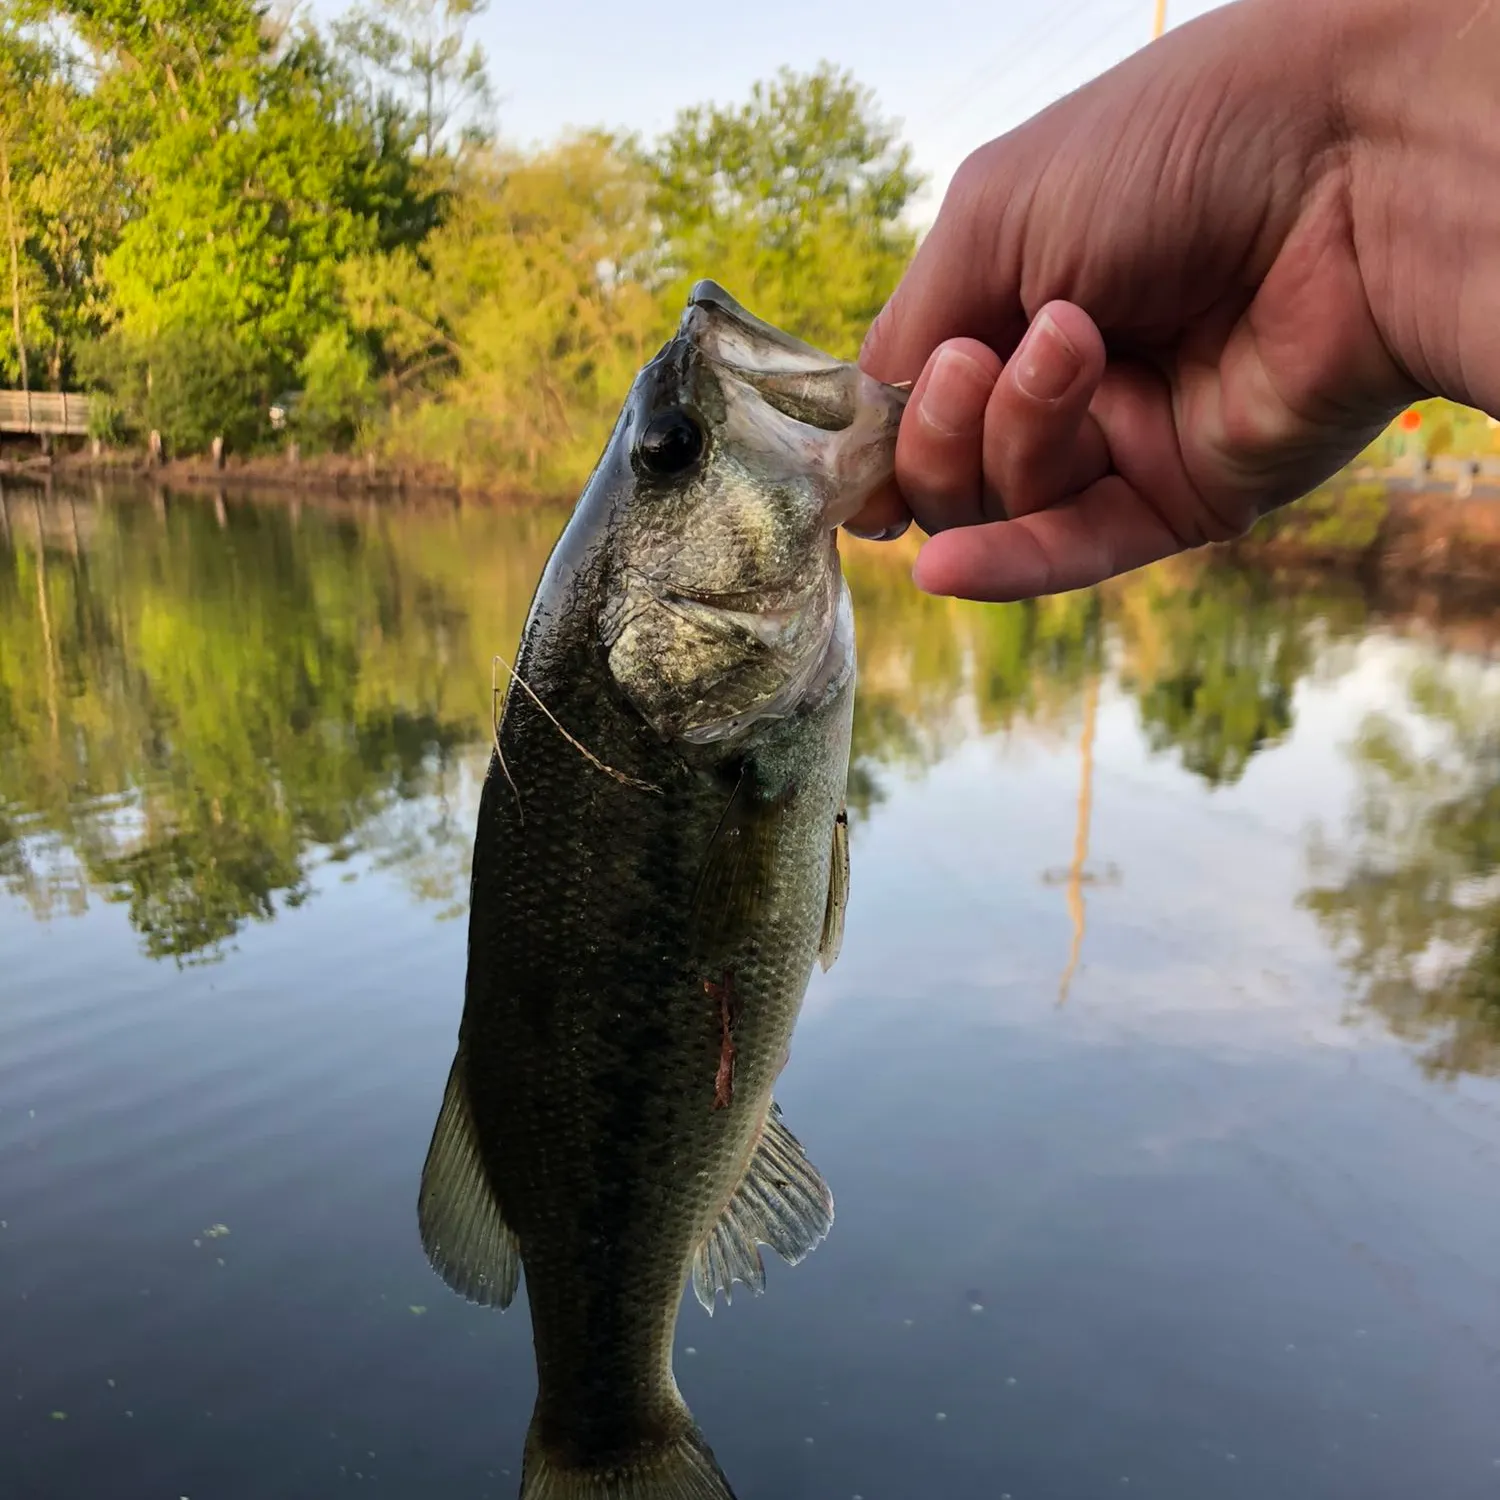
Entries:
{"x":1156,"y":1083}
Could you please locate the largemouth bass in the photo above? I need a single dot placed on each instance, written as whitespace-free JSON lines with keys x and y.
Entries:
{"x":661,"y":856}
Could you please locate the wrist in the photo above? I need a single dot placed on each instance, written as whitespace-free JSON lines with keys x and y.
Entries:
{"x":1419,"y":112}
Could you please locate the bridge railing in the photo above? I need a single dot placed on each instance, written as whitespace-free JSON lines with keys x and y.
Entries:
{"x":59,"y":413}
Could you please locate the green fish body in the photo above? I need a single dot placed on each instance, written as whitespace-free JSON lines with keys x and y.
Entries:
{"x":660,"y":858}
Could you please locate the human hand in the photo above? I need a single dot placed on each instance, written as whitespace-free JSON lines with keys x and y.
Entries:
{"x":1184,"y":246}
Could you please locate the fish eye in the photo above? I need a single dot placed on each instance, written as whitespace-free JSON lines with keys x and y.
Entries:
{"x":671,"y":443}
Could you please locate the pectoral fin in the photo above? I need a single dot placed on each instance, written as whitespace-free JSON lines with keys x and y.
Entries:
{"x":735,"y":876}
{"x":782,"y":1202}
{"x":463,"y":1231}
{"x":838,"y":893}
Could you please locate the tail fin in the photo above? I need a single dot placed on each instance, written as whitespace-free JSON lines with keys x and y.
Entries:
{"x":682,"y":1470}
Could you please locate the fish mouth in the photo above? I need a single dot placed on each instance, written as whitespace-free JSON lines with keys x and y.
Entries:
{"x":782,"y":395}
{"x":798,"y":380}
{"x":721,"y":328}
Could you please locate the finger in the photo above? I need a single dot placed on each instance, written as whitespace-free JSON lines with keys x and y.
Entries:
{"x":1107,"y":530}
{"x":1040,"y":443}
{"x":1139,"y":418}
{"x":940,"y":448}
{"x":883,"y":517}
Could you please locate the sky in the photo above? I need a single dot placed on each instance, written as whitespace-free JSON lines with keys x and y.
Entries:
{"x":955,"y":72}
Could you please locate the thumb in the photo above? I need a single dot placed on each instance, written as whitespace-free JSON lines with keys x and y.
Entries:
{"x":962,"y":283}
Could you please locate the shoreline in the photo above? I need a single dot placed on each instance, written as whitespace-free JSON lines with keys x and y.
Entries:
{"x":1373,"y":530}
{"x":1415,"y":536}
{"x":321,"y":475}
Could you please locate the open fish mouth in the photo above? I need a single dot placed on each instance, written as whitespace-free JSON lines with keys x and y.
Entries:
{"x":732,"y":335}
{"x":800,"y":381}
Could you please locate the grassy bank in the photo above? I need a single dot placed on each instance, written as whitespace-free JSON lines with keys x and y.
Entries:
{"x":1380,"y":530}
{"x":318,"y":473}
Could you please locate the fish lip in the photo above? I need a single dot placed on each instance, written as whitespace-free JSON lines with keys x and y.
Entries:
{"x":802,"y":383}
{"x":709,"y":304}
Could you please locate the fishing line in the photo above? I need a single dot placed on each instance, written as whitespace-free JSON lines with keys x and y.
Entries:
{"x":515,"y":791}
{"x":582,"y":749}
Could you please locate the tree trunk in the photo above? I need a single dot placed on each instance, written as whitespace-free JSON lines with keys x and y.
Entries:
{"x":15,"y":264}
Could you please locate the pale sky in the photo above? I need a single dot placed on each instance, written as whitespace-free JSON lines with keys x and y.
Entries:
{"x":956,"y":72}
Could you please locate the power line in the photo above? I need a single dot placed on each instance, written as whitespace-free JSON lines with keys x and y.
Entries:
{"x":1018,"y":53}
{"x":1044,"y":91}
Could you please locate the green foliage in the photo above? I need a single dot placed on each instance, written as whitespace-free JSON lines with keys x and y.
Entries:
{"x":190,"y":383}
{"x":339,"y":394}
{"x":414,"y":55}
{"x":330,"y":216}
{"x":1341,"y":516}
{"x":61,"y":203}
{"x":507,"y":309}
{"x":793,"y":200}
{"x":515,"y":329}
{"x":211,"y":182}
{"x":251,"y":214}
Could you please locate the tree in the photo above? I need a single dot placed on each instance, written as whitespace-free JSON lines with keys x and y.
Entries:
{"x":258,"y":174}
{"x":793,"y":200}
{"x":60,"y":205}
{"x":511,"y":308}
{"x":14,"y":109}
{"x":415,"y":53}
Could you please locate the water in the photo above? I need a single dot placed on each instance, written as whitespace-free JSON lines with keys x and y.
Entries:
{"x":1211,"y":1209}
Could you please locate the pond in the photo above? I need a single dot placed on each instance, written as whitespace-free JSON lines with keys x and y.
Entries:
{"x":1158,"y":1082}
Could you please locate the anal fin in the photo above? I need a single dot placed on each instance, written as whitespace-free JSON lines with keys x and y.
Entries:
{"x":463,"y":1230}
{"x":782,"y":1202}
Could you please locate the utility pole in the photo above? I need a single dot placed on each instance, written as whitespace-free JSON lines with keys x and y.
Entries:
{"x":1161,"y":19}
{"x":1077,"y":870}
{"x":1078,"y":876}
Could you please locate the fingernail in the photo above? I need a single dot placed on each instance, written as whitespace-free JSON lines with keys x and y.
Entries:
{"x":1046,"y":363}
{"x":887,"y":534}
{"x":956,"y":393}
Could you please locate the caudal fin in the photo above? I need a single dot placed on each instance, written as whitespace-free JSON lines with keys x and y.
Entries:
{"x":683,"y":1470}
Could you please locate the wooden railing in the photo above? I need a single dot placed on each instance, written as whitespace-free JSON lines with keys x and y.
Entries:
{"x":61,"y":413}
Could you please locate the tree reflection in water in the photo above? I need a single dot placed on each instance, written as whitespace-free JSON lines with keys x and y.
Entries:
{"x":204,"y":701}
{"x":1410,"y":897}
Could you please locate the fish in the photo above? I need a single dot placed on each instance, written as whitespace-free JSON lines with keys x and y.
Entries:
{"x":660,"y":859}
